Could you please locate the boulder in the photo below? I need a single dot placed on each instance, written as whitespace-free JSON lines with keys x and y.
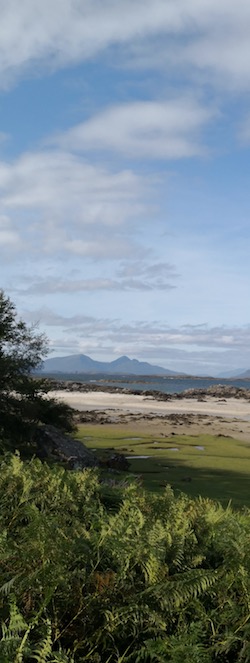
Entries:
{"x":116,"y":462}
{"x":52,"y":444}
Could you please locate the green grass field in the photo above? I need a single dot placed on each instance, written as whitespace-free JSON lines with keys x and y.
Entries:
{"x":219,"y":470}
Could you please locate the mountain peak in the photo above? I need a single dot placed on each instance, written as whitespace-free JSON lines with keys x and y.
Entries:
{"x":83,"y":364}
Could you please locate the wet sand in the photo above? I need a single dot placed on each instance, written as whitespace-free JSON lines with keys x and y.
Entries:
{"x":192,"y":416}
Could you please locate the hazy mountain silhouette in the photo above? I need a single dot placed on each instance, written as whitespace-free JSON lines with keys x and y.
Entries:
{"x":84,"y":364}
{"x":236,"y":373}
{"x":245,"y":374}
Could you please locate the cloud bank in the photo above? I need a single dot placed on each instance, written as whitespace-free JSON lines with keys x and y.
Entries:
{"x":210,"y":36}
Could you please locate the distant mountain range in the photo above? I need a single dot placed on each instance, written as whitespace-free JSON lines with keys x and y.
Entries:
{"x":246,"y":374}
{"x":238,"y":373}
{"x":84,"y":364}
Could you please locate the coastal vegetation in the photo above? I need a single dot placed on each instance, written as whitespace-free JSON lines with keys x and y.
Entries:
{"x":108,"y":567}
{"x":114,"y":574}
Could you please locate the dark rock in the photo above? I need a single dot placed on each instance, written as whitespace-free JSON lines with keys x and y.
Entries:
{"x":54,"y":445}
{"x":116,"y":462}
{"x":217,"y":391}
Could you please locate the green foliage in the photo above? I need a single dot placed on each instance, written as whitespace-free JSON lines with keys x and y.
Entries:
{"x":156,"y":578}
{"x":22,"y":402}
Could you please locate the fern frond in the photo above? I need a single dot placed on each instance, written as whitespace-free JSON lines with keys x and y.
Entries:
{"x":16,"y":624}
{"x":62,"y":657}
{"x":7,"y":586}
{"x":181,"y":589}
{"x":42,"y":651}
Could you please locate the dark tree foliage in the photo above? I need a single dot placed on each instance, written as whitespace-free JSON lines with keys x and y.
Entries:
{"x":23,"y":403}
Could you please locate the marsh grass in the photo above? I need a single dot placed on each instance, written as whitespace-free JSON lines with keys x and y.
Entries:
{"x":220,"y":471}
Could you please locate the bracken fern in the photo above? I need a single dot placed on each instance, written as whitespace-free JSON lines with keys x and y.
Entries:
{"x":135,"y":577}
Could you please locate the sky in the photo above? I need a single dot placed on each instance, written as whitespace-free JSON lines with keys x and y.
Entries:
{"x":124,"y":177}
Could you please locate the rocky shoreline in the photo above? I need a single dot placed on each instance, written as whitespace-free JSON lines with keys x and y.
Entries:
{"x":217,"y":410}
{"x":214,"y":391}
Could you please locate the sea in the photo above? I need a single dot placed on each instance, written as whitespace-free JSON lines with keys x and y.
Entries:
{"x":165,"y":384}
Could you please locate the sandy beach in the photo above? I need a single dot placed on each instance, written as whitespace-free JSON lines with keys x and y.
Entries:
{"x":227,"y":416}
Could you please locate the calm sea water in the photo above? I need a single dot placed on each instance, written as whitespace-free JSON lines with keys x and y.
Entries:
{"x":168,"y":385}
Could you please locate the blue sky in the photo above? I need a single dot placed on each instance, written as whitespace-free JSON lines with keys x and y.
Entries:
{"x":124,"y":177}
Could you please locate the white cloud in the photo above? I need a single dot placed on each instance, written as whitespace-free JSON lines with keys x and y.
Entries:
{"x":53,"y":319}
{"x":213,"y":35}
{"x":65,"y":204}
{"x":138,"y":275}
{"x":210,"y":38}
{"x":152,"y":334}
{"x":164,"y":130}
{"x":63,"y":31}
{"x":46,"y":179}
{"x":160,"y":335}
